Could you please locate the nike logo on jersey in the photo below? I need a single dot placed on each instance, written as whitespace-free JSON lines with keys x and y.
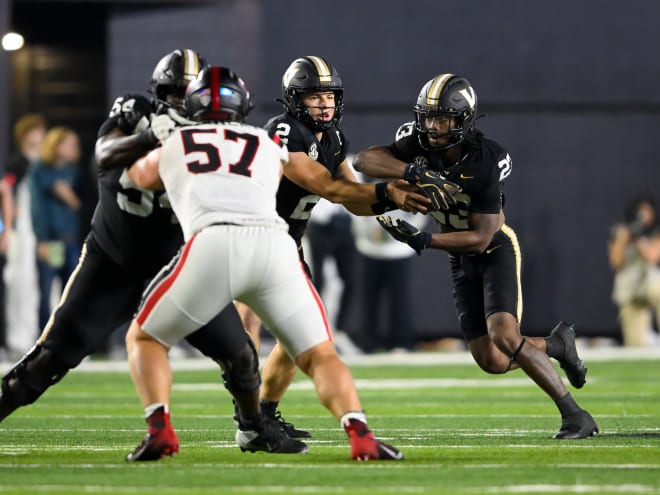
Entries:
{"x":463,"y":176}
{"x":488,"y":251}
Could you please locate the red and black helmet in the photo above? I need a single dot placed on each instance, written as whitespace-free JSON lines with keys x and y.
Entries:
{"x":216,"y":95}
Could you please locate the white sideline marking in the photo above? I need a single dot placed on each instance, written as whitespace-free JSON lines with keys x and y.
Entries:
{"x":408,"y":359}
{"x":568,"y":489}
{"x":225,"y":489}
{"x":392,"y":383}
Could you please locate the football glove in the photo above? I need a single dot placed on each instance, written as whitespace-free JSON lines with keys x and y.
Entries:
{"x":438,"y":189}
{"x":162,"y":126}
{"x":406,"y":232}
{"x":132,"y":113}
{"x":434,"y":186}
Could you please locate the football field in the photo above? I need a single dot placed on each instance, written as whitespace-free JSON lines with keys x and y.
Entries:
{"x":462,"y":432}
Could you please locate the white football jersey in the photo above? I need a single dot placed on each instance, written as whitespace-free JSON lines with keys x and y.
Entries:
{"x":227,"y":172}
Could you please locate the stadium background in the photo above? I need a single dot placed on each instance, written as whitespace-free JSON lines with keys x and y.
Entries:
{"x":570,"y":88}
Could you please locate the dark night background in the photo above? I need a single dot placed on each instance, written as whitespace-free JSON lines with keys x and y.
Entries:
{"x":569,"y":88}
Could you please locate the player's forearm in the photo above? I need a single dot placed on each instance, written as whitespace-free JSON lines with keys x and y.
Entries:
{"x":377,"y":161}
{"x":114,"y":151}
{"x":347,"y":192}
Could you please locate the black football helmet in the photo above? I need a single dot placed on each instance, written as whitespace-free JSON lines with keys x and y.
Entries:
{"x":171,"y":77}
{"x":446,"y":96}
{"x":217,"y":95}
{"x":308,"y":74}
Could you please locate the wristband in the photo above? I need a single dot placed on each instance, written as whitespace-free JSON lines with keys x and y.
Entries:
{"x":381,"y":192}
{"x":411,"y":174}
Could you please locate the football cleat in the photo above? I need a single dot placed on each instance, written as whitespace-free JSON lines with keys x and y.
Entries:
{"x":577,"y":426}
{"x":364,"y":447}
{"x":289,"y":428}
{"x":270,"y":410}
{"x":266,"y":435}
{"x":160,"y":440}
{"x":569,"y":360}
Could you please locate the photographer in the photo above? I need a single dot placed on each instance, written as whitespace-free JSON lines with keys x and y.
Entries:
{"x":634,"y":253}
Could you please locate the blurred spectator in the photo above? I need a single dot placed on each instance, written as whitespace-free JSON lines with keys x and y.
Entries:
{"x":55,"y":204}
{"x":29,"y":134}
{"x":6,"y":227}
{"x":330,"y":239}
{"x":387,"y":271}
{"x":634,"y":252}
{"x":20,"y":273}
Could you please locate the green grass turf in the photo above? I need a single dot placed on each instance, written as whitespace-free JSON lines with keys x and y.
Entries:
{"x":462,"y":432}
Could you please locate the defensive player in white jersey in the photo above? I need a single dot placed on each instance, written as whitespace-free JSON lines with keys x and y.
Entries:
{"x":222,"y":177}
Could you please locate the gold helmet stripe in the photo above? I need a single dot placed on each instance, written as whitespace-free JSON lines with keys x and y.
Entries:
{"x":190,"y":65}
{"x":322,"y":68}
{"x":436,"y":87}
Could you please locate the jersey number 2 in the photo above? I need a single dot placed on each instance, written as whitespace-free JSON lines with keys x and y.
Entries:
{"x":213,"y":162}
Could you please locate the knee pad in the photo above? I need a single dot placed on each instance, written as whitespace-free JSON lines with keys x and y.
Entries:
{"x":240,"y":372}
{"x":32,"y":376}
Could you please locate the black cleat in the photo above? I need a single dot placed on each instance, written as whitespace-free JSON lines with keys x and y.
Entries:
{"x":268,"y":436}
{"x":569,"y":360}
{"x":5,"y":409}
{"x":577,"y":426}
{"x":288,"y":428}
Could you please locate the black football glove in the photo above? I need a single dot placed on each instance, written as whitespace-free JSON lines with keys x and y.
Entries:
{"x":434,"y":186}
{"x":438,"y":189}
{"x":132,"y":113}
{"x":406,"y":232}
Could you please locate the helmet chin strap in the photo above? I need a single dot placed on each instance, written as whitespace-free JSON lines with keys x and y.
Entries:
{"x":178,"y":118}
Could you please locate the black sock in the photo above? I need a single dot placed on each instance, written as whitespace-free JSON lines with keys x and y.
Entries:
{"x":567,"y":405}
{"x":268,"y":406}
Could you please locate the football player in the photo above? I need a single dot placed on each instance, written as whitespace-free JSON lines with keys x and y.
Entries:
{"x":133,"y":234}
{"x":485,"y":256}
{"x":237,"y":248}
{"x":310,"y":127}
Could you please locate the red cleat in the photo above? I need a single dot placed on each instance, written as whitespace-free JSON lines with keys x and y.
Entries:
{"x":364,"y":447}
{"x":160,"y":440}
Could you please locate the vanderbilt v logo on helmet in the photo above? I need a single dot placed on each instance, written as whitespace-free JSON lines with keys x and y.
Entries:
{"x":308,"y":74}
{"x":446,"y":96}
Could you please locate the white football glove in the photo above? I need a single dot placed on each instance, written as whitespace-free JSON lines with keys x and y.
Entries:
{"x":162,"y":126}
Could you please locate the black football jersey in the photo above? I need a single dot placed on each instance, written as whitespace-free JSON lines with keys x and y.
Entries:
{"x":295,"y":204}
{"x":134,"y":227}
{"x":480,"y":173}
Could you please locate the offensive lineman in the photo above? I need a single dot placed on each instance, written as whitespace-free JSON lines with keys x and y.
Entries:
{"x":133,"y":234}
{"x":484,"y":252}
{"x":222,"y":177}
